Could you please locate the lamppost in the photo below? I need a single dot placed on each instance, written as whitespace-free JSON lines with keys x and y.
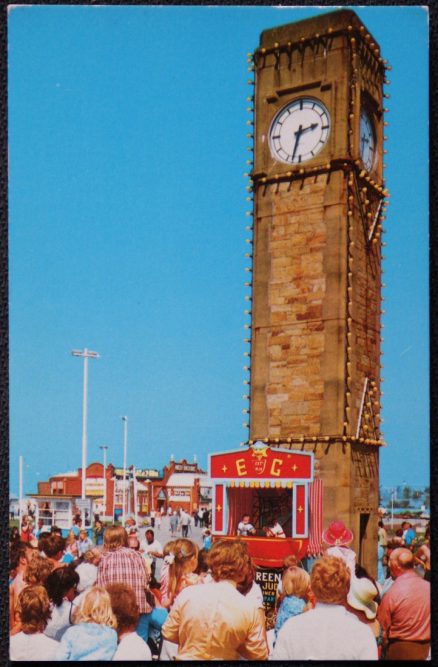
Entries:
{"x":85,"y":354}
{"x":125,"y":447}
{"x":135,"y":492}
{"x":20,"y":490}
{"x":148,"y":482}
{"x":392,"y":508}
{"x":104,"y":448}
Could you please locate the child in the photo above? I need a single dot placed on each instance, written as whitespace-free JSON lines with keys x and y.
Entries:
{"x":296,"y":588}
{"x":84,"y":543}
{"x":245,"y":527}
{"x":131,"y":645}
{"x":92,"y":637}
{"x":71,"y":549}
{"x":207,"y":539}
{"x":178,"y":569}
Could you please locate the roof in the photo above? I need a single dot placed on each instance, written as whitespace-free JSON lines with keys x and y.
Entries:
{"x":188,"y":479}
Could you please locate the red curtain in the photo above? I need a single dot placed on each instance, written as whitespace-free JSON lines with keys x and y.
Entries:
{"x":240,"y":502}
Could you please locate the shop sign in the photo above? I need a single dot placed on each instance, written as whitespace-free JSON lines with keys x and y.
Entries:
{"x":186,"y":467}
{"x":94,"y":486}
{"x":138,"y":473}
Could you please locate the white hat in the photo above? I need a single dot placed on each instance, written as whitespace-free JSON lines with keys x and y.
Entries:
{"x":87,"y":576}
{"x":361,"y":596}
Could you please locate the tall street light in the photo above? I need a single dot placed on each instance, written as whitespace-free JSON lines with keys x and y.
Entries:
{"x":104,"y":448}
{"x":20,"y":490}
{"x":392,"y":508}
{"x":125,"y":447}
{"x":85,"y":354}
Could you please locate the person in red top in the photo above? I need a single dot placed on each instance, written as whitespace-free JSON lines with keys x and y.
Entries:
{"x":119,"y":564}
{"x":26,"y":534}
{"x":404,"y":613}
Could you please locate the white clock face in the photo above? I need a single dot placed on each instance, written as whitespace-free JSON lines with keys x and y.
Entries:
{"x":367,"y":141}
{"x":299,"y":131}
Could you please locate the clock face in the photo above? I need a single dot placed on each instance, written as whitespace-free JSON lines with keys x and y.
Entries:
{"x":367,"y":140}
{"x":299,"y":131}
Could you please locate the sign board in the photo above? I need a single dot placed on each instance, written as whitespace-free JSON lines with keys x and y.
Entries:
{"x":180,"y":492}
{"x":186,"y":467}
{"x":268,"y":580}
{"x":83,"y":504}
{"x":146,"y":473}
{"x":138,"y":473}
{"x":262,"y":462}
{"x":94,"y":486}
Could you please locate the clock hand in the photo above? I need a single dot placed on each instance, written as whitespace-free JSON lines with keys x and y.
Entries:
{"x":297,"y":134}
{"x":310,"y":127}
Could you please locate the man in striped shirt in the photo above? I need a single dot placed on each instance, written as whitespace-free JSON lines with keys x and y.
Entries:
{"x":119,"y":564}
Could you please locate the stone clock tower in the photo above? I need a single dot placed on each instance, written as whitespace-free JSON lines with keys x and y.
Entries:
{"x":319,"y":199}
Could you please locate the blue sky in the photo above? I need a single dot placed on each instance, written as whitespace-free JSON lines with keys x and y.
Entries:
{"x":127,"y":148}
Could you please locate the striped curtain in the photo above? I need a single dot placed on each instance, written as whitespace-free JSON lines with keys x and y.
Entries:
{"x":315,"y":546}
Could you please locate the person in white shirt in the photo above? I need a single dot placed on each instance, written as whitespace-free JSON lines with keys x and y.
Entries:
{"x":274,"y":529}
{"x":329,"y":631}
{"x":31,"y":644}
{"x":125,"y":608}
{"x":245,"y":527}
{"x":184,"y":522}
{"x":151,"y":548}
{"x":214,"y":621}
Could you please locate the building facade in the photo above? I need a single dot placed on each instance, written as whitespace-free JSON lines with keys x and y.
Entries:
{"x":179,"y":485}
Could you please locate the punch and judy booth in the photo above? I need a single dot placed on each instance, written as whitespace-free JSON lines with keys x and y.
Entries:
{"x":264,"y":483}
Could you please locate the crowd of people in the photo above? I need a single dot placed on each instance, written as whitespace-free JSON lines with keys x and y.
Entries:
{"x":76,"y":598}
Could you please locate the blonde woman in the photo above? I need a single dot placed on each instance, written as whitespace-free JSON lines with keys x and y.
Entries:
{"x":93,"y":635}
{"x":295,"y":592}
{"x":178,"y":571}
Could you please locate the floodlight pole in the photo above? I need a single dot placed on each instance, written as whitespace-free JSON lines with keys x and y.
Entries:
{"x":392,"y":509}
{"x":20,"y":490}
{"x":104,"y":448}
{"x":125,"y":447}
{"x":85,"y":354}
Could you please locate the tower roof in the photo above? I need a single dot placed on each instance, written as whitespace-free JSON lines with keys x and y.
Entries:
{"x":307,"y":28}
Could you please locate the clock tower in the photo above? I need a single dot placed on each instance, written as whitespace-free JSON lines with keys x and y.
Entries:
{"x":319,"y":198}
